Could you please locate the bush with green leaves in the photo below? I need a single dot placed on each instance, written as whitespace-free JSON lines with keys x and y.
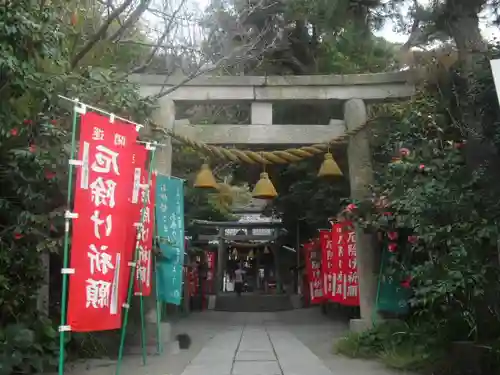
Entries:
{"x":446,"y":208}
{"x":399,"y":345}
{"x":28,"y":348}
{"x":452,"y":213}
{"x":35,"y":130}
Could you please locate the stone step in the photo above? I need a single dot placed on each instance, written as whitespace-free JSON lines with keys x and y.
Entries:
{"x":253,"y":303}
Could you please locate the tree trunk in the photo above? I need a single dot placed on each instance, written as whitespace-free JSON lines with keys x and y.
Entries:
{"x":463,"y":27}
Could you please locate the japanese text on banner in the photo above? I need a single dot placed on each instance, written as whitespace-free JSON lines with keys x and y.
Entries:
{"x":314,"y":274}
{"x":170,"y":230}
{"x":345,"y":286}
{"x":327,"y":262}
{"x":102,"y":201}
{"x":144,"y":242}
{"x":139,"y":158}
{"x":210,"y":280}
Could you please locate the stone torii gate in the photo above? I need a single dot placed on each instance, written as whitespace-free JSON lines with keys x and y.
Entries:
{"x":261,"y":92}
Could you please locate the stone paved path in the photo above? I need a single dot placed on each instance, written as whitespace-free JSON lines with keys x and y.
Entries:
{"x":296,"y":342}
{"x":253,"y":350}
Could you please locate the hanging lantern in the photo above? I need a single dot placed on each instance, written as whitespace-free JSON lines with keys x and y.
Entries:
{"x":264,"y":188}
{"x":266,"y":250}
{"x":329,"y":167}
{"x":205,"y":179}
{"x":250,"y":254}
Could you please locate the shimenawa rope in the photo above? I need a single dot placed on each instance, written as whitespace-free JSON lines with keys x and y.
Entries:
{"x":287,"y":156}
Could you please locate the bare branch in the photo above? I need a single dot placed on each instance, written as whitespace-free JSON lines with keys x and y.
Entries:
{"x":160,"y":41}
{"x":236,"y":56}
{"x":162,"y":46}
{"x":131,"y":20}
{"x":101,"y":32}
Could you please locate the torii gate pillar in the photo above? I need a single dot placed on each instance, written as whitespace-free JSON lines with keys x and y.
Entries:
{"x":361,"y":176}
{"x":163,"y":116}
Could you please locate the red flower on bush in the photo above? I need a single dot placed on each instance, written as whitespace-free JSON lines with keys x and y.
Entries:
{"x":404,"y":152}
{"x":392,"y":247}
{"x":421,"y":167}
{"x":14,"y":132}
{"x":406,"y":283}
{"x":49,"y":175}
{"x":387,"y":213}
{"x":412,"y":239}
{"x":53,"y":122}
{"x":27,"y":122}
{"x":32,"y":148}
{"x":18,"y":235}
{"x":351,"y":207}
{"x":392,"y":235}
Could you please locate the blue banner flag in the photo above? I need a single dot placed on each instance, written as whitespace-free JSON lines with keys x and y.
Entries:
{"x":170,"y":232}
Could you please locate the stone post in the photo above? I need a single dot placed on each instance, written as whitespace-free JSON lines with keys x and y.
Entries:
{"x":164,"y":116}
{"x":277,"y":266}
{"x":261,"y":113}
{"x":220,"y":263}
{"x":360,"y":177}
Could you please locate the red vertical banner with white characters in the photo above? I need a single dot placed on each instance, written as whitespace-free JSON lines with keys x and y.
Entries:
{"x":210,"y":256}
{"x":345,"y":281}
{"x":139,"y":158}
{"x":314,"y":274}
{"x":325,"y":239}
{"x":101,"y":205}
{"x":144,"y":244}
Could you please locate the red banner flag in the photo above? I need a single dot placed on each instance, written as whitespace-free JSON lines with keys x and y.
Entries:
{"x":315,"y":278}
{"x":345,"y":288}
{"x":325,"y":239}
{"x":139,"y":158}
{"x":101,"y":206}
{"x":210,"y":285}
{"x":145,"y":236}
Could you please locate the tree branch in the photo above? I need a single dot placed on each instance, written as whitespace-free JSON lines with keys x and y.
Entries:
{"x":415,"y":31}
{"x":248,"y":48}
{"x":99,"y":34}
{"x":160,"y":41}
{"x":131,"y":20}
